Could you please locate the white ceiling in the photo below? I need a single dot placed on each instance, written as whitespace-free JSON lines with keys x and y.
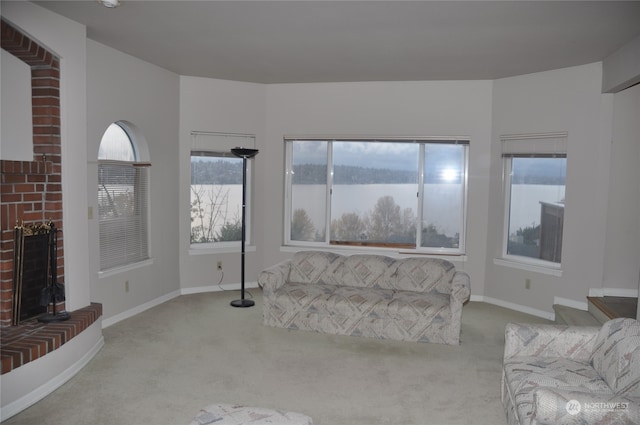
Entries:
{"x":320,"y":41}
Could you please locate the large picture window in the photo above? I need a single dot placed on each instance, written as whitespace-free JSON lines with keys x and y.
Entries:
{"x":394,"y":193}
{"x":123,"y":186}
{"x":535,"y":177}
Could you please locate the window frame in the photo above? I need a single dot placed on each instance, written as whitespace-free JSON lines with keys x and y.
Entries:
{"x":224,"y":246}
{"x":141,"y":199}
{"x":538,"y":145}
{"x":460,"y":251}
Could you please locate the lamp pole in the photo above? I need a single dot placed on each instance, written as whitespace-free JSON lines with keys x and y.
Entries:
{"x":244,"y":153}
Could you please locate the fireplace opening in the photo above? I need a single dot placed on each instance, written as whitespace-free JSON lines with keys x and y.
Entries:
{"x":31,"y":270}
{"x":35,"y":285}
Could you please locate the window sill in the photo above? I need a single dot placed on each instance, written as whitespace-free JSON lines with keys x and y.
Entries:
{"x":121,"y":269}
{"x":351,"y":250}
{"x":208,"y":250}
{"x":532,"y":267}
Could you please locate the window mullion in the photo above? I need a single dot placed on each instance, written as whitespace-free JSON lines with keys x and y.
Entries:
{"x":288,"y":213}
{"x":420,"y":196}
{"x":462,"y":239}
{"x":329,"y":192}
{"x":507,"y":204}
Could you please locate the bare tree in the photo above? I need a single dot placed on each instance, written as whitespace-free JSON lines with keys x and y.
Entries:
{"x":349,"y":227}
{"x":302,"y":228}
{"x":385,"y":220}
{"x":209,"y":208}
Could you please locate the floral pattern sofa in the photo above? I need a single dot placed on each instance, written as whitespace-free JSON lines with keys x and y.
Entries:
{"x":408,"y":299}
{"x":572,"y":374}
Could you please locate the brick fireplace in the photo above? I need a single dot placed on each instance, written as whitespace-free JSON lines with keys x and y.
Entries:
{"x":31,"y":191}
{"x":31,"y":194}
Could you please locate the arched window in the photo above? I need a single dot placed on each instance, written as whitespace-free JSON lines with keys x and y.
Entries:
{"x":123,"y":187}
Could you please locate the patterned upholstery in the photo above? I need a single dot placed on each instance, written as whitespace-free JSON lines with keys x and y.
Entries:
{"x":411,"y":299}
{"x":235,"y":414}
{"x":616,"y":356}
{"x":556,"y":374}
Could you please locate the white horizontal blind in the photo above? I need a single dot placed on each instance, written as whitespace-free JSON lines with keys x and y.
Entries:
{"x":534,"y":145}
{"x":122,"y":208}
{"x":369,"y":139}
{"x":220,"y":142}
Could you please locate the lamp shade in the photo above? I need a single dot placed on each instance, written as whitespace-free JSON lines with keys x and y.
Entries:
{"x":244,"y":152}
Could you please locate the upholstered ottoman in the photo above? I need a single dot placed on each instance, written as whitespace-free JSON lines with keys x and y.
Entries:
{"x":234,"y":414}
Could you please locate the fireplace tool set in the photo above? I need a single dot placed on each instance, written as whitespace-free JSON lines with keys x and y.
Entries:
{"x":54,"y":292}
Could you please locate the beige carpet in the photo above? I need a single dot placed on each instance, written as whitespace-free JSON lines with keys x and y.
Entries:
{"x":162,"y":366}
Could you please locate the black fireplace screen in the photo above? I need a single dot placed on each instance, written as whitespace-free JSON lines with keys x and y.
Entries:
{"x":31,"y":271}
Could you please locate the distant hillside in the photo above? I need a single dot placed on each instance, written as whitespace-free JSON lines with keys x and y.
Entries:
{"x":225,"y":172}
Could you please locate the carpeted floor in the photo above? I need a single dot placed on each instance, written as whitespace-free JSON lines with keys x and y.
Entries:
{"x":162,"y":366}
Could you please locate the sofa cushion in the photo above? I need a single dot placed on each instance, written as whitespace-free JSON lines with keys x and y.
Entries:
{"x":315,"y":267}
{"x":525,"y":374}
{"x":616,"y":356}
{"x":418,"y":308}
{"x":350,"y":301}
{"x":378,"y":303}
{"x":424,"y":275}
{"x":296,"y":296}
{"x":368,"y":271}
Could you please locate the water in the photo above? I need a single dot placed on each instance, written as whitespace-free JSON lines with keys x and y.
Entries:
{"x":362,"y":198}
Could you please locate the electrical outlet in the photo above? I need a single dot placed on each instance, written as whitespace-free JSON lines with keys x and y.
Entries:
{"x":527,"y":283}
{"x":219,"y":265}
{"x":126,"y":286}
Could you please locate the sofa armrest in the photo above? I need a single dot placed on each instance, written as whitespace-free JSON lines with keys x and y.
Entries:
{"x":571,"y":342}
{"x":552,"y":406}
{"x":460,"y":288}
{"x":274,"y":277}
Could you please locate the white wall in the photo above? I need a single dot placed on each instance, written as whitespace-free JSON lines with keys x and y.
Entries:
{"x":16,"y":119}
{"x":442,"y":108}
{"x":122,"y":87}
{"x":227,"y":107}
{"x":622,"y":244}
{"x":561,"y":100}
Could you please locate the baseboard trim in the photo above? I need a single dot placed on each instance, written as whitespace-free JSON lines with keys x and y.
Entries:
{"x":217,"y":288}
{"x":56,"y":382}
{"x":571,"y":303}
{"x":516,"y":307}
{"x":138,"y":309}
{"x":183,"y":291}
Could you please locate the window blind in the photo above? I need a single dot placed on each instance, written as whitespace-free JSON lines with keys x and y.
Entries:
{"x":534,"y":145}
{"x":369,"y":139}
{"x":220,"y":142}
{"x":122,"y":207}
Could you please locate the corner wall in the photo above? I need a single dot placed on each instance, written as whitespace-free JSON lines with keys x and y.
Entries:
{"x":211,"y":105}
{"x":622,"y":243}
{"x":561,"y":100}
{"x":122,"y":87}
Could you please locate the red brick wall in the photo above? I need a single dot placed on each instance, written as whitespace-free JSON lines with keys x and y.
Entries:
{"x":31,"y":191}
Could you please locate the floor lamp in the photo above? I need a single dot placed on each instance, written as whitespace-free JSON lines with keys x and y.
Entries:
{"x":244,"y":153}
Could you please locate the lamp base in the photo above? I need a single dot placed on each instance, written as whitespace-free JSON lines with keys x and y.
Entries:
{"x":243,"y":303}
